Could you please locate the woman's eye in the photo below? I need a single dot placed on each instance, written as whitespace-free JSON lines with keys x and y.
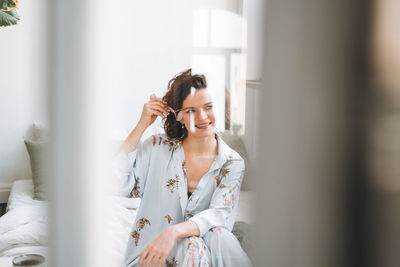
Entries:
{"x":190,"y":111}
{"x":209,"y":107}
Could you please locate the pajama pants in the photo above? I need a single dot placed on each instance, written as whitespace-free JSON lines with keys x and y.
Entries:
{"x":218,"y":248}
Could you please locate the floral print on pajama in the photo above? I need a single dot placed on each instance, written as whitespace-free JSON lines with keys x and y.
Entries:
{"x":156,"y":173}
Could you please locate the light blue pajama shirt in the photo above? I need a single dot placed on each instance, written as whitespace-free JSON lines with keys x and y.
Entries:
{"x":155,"y":172}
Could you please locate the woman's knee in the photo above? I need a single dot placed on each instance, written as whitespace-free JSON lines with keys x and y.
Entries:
{"x":218,"y":236}
{"x":225,"y":248}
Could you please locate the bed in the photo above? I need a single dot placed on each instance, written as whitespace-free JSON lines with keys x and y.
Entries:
{"x":24,"y":227}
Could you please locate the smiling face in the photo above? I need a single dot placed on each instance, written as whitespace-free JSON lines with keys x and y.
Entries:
{"x":198,"y":114}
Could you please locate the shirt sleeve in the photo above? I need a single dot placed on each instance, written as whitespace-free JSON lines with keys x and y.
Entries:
{"x":225,"y":199}
{"x":130,"y":170}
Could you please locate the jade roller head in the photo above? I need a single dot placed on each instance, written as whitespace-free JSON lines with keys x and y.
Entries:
{"x":178,"y":114}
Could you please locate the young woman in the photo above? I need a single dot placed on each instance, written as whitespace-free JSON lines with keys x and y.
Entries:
{"x":188,"y":180}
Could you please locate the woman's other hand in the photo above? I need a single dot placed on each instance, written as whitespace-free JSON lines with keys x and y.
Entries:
{"x":158,"y":250}
{"x":155,"y":107}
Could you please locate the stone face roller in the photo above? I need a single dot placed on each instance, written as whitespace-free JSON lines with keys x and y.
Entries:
{"x":179,"y":115}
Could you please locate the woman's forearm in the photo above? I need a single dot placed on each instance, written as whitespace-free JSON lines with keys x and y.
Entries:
{"x":133,"y":138}
{"x":185,"y":229}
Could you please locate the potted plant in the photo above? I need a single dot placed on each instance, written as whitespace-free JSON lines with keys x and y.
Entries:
{"x":8,"y":13}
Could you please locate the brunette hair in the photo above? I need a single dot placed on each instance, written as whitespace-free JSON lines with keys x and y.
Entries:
{"x":179,"y":88}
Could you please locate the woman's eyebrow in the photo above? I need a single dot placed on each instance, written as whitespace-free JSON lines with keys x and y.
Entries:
{"x":188,"y":108}
{"x":193,"y":107}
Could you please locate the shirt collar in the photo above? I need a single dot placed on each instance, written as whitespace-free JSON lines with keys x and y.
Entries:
{"x":224,"y":153}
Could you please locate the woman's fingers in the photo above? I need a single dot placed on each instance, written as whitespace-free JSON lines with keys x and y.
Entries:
{"x":154,"y":261}
{"x":149,"y":259}
{"x":161,"y":103}
{"x":142,"y":258}
{"x":163,"y":108}
{"x":158,"y":103}
{"x":163,"y":112}
{"x":158,"y":113}
{"x":162,"y":261}
{"x":170,"y":109}
{"x":157,"y":99}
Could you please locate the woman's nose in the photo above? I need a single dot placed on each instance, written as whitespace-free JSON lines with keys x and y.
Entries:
{"x":202,"y":114}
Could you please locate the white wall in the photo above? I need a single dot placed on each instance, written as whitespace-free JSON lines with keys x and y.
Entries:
{"x":151,"y":40}
{"x":22,"y":87}
{"x":156,"y":44}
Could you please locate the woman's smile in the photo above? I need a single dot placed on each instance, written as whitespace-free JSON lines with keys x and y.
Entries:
{"x":203,"y":126}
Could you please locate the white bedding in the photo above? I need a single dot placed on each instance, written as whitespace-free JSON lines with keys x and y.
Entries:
{"x":24,"y":228}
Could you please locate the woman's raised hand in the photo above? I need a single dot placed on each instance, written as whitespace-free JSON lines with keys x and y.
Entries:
{"x":155,"y":107}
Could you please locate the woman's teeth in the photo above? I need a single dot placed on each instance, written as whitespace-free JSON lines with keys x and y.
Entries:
{"x":204,"y":125}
